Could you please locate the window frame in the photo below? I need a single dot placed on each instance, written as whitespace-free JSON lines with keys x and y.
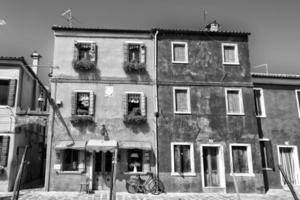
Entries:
{"x":236,"y":54}
{"x":140,"y":93}
{"x":63,"y":152}
{"x":249,"y":159}
{"x":265,"y":158}
{"x":185,"y":53}
{"x":192,"y":159}
{"x":188,"y":100}
{"x":262,"y":102}
{"x":241,"y":102}
{"x":298,"y":101}
{"x":85,"y":91}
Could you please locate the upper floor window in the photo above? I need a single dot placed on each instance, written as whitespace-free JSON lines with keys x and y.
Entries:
{"x":234,"y":101}
{"x":179,"y":52}
{"x":134,"y":107}
{"x":298,"y":101}
{"x":230,"y":54}
{"x":134,"y":56}
{"x":83,"y":103}
{"x":85,"y":54}
{"x":4,"y":149}
{"x":182,"y":155}
{"x":259,"y":102}
{"x":181,"y":100}
{"x":241,"y":159}
{"x":7,"y":92}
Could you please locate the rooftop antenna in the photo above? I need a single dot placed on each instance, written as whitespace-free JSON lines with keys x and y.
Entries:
{"x":68,"y":16}
{"x":262,"y":65}
{"x":2,"y":22}
{"x":204,"y":16}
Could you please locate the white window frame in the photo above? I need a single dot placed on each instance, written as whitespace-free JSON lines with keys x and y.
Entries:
{"x":262,"y":102}
{"x":186,"y":51}
{"x":240,"y":101}
{"x":236,"y":54}
{"x":221,"y":167}
{"x":298,"y":100}
{"x":249,"y":158}
{"x":296,"y":160}
{"x":192,"y":173}
{"x":188,"y":100}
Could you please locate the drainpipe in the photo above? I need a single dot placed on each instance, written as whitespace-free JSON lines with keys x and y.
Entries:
{"x":155,"y":103}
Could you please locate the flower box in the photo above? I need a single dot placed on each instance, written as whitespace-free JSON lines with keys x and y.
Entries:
{"x":80,"y":119}
{"x":84,"y":65}
{"x":137,"y":119}
{"x":134,"y":67}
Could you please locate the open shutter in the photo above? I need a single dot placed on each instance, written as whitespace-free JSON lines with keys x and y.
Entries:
{"x":125,"y":52}
{"x":4,"y":149}
{"x":73,"y":103}
{"x":75,"y":54}
{"x":93,"y":53}
{"x":143,"y":104}
{"x":12,"y":92}
{"x":125,"y":104}
{"x":143,"y":54}
{"x":270,"y":155}
{"x":92,"y":103}
{"x":177,"y":159}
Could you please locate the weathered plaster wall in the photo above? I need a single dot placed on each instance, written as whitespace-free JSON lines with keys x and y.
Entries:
{"x":281,"y":123}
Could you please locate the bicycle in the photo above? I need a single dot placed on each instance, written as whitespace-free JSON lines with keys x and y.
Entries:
{"x":134,"y":184}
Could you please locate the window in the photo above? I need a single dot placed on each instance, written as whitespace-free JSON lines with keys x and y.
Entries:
{"x":181,"y":100}
{"x":82,"y":103}
{"x":182,"y":155}
{"x":241,"y":159}
{"x":230,"y":54}
{"x":179,"y":52}
{"x":259,"y":102}
{"x":4,"y":149}
{"x":267,"y":154}
{"x":234,"y":101}
{"x":134,"y":106}
{"x":298,"y":101}
{"x":134,"y":52}
{"x":70,"y":160}
{"x":7,"y":92}
{"x":135,"y":160}
{"x":85,"y":51}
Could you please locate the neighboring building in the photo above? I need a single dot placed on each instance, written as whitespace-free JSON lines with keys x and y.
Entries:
{"x":104,"y":87}
{"x":278,"y":113}
{"x":18,"y":99}
{"x":207,"y":126}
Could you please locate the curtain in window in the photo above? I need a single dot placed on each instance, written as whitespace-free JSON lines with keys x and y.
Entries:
{"x":288,"y":165}
{"x":229,"y":54}
{"x":181,"y":100}
{"x":239,"y":159}
{"x":257,"y":96}
{"x":179,"y":52}
{"x":233,"y":101}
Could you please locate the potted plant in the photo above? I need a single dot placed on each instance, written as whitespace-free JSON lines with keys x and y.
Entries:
{"x":135,"y":116}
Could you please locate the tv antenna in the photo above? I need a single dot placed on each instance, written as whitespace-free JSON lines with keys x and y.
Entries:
{"x":68,"y":16}
{"x":262,"y":65}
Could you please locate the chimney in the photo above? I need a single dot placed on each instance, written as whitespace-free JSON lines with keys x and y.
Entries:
{"x":213,"y":26}
{"x":35,"y":61}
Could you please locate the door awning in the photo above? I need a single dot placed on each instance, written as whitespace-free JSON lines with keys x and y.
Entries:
{"x":135,"y":145}
{"x":60,"y":145}
{"x":101,"y":145}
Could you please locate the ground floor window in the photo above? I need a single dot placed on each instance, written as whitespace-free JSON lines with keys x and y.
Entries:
{"x":182,"y":155}
{"x":70,"y":160}
{"x":135,"y":160}
{"x":267,"y":154}
{"x":241,"y":159}
{"x":4,"y":149}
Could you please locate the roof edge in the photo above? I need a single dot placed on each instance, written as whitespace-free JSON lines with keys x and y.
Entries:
{"x":273,"y":75}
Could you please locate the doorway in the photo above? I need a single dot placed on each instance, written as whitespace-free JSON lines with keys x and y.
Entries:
{"x":102,"y":170}
{"x":212,"y":165}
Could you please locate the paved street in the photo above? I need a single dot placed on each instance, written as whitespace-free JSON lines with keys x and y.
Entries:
{"x":39,"y":195}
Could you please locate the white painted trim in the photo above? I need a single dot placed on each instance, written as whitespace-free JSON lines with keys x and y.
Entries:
{"x":262,"y":102}
{"x":192,"y":159}
{"x":185,"y":49}
{"x":188,"y":100}
{"x":221,"y":166}
{"x":296,"y":161}
{"x":240,"y":101}
{"x":298,"y":101}
{"x":236,"y":54}
{"x":249,"y":158}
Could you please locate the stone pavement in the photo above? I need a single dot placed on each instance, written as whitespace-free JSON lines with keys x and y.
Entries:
{"x":40,"y":195}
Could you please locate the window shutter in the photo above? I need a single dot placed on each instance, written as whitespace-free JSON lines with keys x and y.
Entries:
{"x":125,"y":52}
{"x":75,"y":54}
{"x":143,"y":104}
{"x":73,"y":103}
{"x":93,"y":53}
{"x":92,"y":103}
{"x":143,"y":54}
{"x":269,"y":152}
{"x":12,"y":92}
{"x":125,"y":104}
{"x":177,"y":159}
{"x":4,"y":150}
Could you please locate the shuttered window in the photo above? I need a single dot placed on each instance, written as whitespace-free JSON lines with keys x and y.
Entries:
{"x":181,"y":100}
{"x":4,"y":149}
{"x":267,"y":155}
{"x":8,"y":92}
{"x":85,"y":50}
{"x":182,"y":158}
{"x":134,"y":52}
{"x":179,"y":52}
{"x":241,"y":159}
{"x":234,"y":101}
{"x":134,"y":104}
{"x":83,"y":103}
{"x":230,"y":54}
{"x":259,"y":102}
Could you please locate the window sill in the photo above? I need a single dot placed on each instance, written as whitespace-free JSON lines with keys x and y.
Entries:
{"x":228,"y":63}
{"x":242,"y":174}
{"x":180,"y":62}
{"x":238,"y":114}
{"x":267,"y":169}
{"x":183,"y":174}
{"x":70,"y":172}
{"x":182,"y":113}
{"x":135,"y":173}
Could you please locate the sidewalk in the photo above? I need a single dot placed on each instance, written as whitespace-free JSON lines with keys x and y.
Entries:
{"x":40,"y":195}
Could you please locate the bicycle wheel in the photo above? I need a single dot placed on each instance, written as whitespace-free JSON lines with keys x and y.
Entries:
{"x":132,"y":189}
{"x":158,"y":187}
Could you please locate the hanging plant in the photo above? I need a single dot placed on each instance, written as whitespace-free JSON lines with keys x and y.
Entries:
{"x":134,"y":67}
{"x":84,"y":65}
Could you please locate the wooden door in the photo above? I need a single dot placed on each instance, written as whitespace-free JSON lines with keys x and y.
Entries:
{"x":211,"y":165}
{"x":102,"y":170}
